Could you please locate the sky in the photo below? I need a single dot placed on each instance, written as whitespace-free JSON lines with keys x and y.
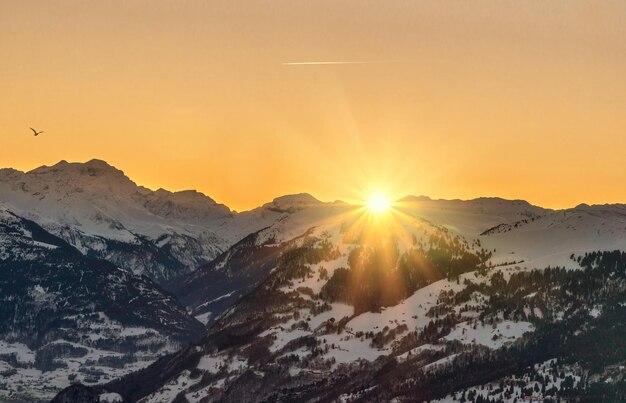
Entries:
{"x":457,"y":99}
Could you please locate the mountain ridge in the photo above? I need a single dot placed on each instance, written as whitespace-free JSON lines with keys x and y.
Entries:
{"x":99,"y":166}
{"x":298,"y":290}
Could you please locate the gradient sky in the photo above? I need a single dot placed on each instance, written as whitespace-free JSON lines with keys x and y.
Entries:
{"x":519,"y":99}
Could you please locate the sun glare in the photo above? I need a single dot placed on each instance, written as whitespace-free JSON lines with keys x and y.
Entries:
{"x":378,"y":203}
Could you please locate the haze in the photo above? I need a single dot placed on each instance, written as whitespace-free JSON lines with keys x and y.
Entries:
{"x":458,"y":99}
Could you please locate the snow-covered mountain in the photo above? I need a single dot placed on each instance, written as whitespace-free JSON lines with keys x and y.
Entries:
{"x":162,"y":234}
{"x":65,"y":317}
{"x":306,"y":300}
{"x":552,"y":238}
{"x":470,"y":217}
{"x":208,"y":291}
{"x":440,"y":301}
{"x":101,"y":212}
{"x":216,"y":285}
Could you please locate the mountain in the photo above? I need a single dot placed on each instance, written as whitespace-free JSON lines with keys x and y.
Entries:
{"x":551,"y":239}
{"x":470,"y":217}
{"x":449,"y":300}
{"x":452,"y":300}
{"x":101,"y":212}
{"x":66,"y":317}
{"x":164,"y":235}
{"x":216,"y":285}
{"x":208,"y":291}
{"x":96,"y":208}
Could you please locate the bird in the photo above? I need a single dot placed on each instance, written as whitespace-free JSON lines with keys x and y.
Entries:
{"x":35,"y":132}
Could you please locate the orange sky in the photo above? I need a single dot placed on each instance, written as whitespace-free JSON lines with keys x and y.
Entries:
{"x":520,"y":99}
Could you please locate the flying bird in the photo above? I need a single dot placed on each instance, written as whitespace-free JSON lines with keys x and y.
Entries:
{"x":35,"y":132}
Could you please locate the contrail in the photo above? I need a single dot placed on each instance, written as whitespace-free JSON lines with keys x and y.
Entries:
{"x":326,"y":63}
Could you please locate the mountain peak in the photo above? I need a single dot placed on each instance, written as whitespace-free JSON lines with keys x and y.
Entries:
{"x":298,"y":198}
{"x":292,"y":202}
{"x":191,"y":195}
{"x":413,"y":198}
{"x":97,"y":163}
{"x":93,"y":167}
{"x":494,"y":199}
{"x":7,"y":172}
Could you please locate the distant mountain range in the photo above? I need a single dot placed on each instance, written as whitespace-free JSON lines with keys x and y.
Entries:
{"x":101,"y":212}
{"x":299,"y":299}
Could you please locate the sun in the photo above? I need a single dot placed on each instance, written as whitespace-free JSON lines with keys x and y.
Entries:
{"x":378,"y":203}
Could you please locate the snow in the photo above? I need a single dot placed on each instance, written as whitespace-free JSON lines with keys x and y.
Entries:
{"x":110,"y":398}
{"x":595,"y":312}
{"x":442,"y":362}
{"x":97,"y":326}
{"x":337,"y":311}
{"x":204,"y":318}
{"x":211,"y":364}
{"x":135,"y":331}
{"x":237,"y":364}
{"x":411,"y":312}
{"x":216,"y":299}
{"x":22,"y":352}
{"x":349,"y":349}
{"x":505,"y":332}
{"x":44,"y":245}
{"x":285,"y":337}
{"x":301,"y":352}
{"x":99,"y":200}
{"x":417,"y":350}
{"x":354,"y":397}
{"x":469,"y":217}
{"x":44,"y":385}
{"x":548,"y":238}
{"x":552,"y":239}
